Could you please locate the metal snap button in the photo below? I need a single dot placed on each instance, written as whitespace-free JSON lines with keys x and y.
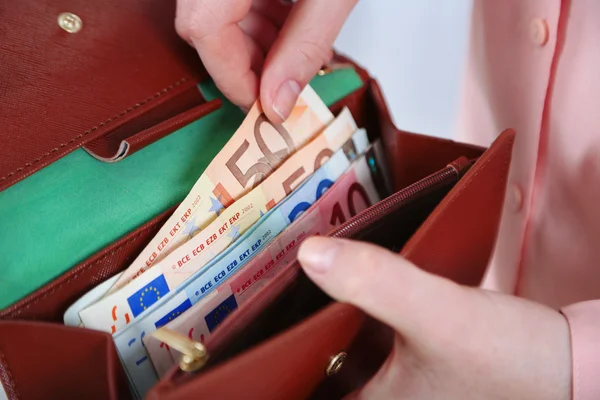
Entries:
{"x":70,"y":22}
{"x":335,"y":364}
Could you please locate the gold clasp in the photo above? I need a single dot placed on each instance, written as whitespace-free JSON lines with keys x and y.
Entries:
{"x":70,"y":22}
{"x":194,"y":354}
{"x":335,"y":364}
{"x":333,"y":66}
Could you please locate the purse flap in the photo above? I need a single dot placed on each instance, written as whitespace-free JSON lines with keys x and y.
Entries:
{"x":72,"y":71}
{"x":49,"y":361}
{"x":457,"y":239}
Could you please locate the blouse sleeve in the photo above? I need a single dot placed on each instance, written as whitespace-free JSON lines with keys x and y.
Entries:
{"x":584,"y":324}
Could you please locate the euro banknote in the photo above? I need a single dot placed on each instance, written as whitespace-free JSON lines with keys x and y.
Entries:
{"x":357,"y":189}
{"x":252,"y":154}
{"x":71,"y":316}
{"x":142,"y":293}
{"x":129,"y":340}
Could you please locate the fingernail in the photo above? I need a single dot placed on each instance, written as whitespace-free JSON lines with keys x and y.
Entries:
{"x":244,"y":109}
{"x":286,"y":98}
{"x":319,"y":253}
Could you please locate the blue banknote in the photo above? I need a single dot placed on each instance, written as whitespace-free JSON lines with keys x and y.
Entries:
{"x":129,"y":341}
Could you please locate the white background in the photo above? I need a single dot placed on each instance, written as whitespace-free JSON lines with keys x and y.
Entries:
{"x":416,"y":50}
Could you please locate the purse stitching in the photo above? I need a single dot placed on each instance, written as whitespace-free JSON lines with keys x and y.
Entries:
{"x":108,"y":121}
{"x":85,"y":268}
{"x":10,"y":385}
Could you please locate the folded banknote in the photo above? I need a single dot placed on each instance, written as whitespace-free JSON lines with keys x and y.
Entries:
{"x":252,"y":154}
{"x":361,"y":186}
{"x":129,"y":340}
{"x":139,"y":295}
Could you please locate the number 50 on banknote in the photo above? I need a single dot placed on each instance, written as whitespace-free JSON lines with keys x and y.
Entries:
{"x":252,"y":153}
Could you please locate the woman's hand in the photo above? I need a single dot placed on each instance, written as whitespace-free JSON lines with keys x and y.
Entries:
{"x":452,"y":342}
{"x":271,"y":45}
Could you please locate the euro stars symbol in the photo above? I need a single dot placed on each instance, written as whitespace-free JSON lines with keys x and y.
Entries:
{"x":216,"y":205}
{"x":190,"y":227}
{"x":234,"y":232}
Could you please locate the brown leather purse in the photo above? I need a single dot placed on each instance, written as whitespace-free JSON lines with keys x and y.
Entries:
{"x":443,"y":216}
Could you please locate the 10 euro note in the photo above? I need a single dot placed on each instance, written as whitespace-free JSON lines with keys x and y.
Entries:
{"x":252,"y":154}
{"x":125,"y":305}
{"x":357,"y":189}
{"x":128,"y":340}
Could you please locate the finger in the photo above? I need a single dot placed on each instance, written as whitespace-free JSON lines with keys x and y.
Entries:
{"x":257,"y":57}
{"x":212,"y":27}
{"x":304,"y":45}
{"x":276,"y":11}
{"x":260,"y":29}
{"x":380,"y":282}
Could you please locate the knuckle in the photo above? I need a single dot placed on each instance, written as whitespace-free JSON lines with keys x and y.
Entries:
{"x":186,"y":22}
{"x":199,"y":18}
{"x":189,"y":27}
{"x":196,"y":18}
{"x":182,"y":27}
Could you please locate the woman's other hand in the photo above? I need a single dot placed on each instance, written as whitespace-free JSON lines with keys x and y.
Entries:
{"x":266,"y":48}
{"x":452,"y":342}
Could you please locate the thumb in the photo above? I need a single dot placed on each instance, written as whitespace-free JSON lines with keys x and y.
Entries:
{"x":304,"y":45}
{"x":381,"y":283}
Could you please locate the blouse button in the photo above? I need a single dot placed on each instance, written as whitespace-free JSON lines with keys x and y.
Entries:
{"x":539,"y":31}
{"x":516,"y":198}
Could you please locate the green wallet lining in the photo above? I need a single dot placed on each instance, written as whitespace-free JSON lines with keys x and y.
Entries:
{"x":66,"y":212}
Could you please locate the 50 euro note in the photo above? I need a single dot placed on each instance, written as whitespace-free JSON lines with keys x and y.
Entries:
{"x":252,"y":154}
{"x":360,"y":187}
{"x":129,"y":340}
{"x":121,"y":307}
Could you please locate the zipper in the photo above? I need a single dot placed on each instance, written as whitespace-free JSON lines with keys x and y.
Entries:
{"x":390,"y":204}
{"x":195,"y":354}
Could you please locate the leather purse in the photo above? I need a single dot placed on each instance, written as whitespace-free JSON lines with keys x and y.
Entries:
{"x":128,"y":82}
{"x":285,"y":341}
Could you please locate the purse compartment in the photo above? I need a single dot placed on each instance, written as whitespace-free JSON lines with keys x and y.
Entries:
{"x":453,"y":241}
{"x":290,"y":328}
{"x":445,"y":224}
{"x":292,"y":297}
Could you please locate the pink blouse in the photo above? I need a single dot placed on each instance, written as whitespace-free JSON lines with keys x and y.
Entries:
{"x":534,"y":65}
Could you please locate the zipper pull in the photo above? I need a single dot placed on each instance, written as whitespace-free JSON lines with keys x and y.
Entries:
{"x":461,"y":165}
{"x":194,"y":354}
